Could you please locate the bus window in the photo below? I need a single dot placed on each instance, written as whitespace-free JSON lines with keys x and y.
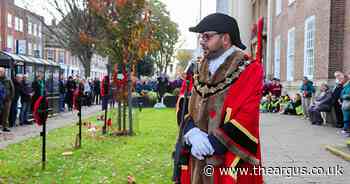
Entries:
{"x":8,"y":73}
{"x":56,"y":75}
{"x":19,"y":69}
{"x":30,"y":73}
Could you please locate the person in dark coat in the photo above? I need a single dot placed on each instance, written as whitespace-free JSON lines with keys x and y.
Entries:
{"x":96,"y":88}
{"x":62,"y":91}
{"x":340,"y":81}
{"x":9,"y":94}
{"x":38,"y":87}
{"x":26,"y":92}
{"x":17,"y":82}
{"x":162,"y":87}
{"x":71,"y":86}
{"x":323,"y":103}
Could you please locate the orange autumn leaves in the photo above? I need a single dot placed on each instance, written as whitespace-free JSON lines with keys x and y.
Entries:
{"x":138,"y":41}
{"x":85,"y":39}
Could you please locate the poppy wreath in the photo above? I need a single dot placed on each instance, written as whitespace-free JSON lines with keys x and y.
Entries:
{"x":120,"y":82}
{"x":40,"y":111}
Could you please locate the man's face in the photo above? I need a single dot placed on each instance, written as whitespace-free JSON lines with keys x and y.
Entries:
{"x":2,"y":72}
{"x":340,"y":77}
{"x":211,"y":41}
{"x":19,"y":78}
{"x":40,"y":76}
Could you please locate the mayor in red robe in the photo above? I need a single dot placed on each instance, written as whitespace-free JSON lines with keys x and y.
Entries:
{"x":221,"y":125}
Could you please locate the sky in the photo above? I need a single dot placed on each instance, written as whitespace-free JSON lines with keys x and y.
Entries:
{"x":186,"y":13}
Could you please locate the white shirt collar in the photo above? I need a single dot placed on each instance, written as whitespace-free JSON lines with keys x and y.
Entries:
{"x":215,"y":63}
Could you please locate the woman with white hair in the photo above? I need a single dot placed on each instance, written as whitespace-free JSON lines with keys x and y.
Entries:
{"x":322,"y":103}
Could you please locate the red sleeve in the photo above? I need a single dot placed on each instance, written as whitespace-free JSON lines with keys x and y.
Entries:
{"x":240,"y":131}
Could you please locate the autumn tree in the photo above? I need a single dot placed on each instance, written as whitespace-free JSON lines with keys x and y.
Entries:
{"x":76,"y":29}
{"x":166,"y":33}
{"x":127,"y":35}
{"x":184,"y":56}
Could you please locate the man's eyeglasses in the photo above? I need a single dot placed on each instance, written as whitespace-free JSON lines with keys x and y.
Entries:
{"x":207,"y":36}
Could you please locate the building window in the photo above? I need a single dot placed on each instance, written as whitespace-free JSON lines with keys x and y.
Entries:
{"x":34,"y":29}
{"x":290,"y":2}
{"x":30,"y":28}
{"x":21,"y":25}
{"x":34,"y":49}
{"x":10,"y":42}
{"x":278,"y":7}
{"x":61,"y":57}
{"x":290,"y":54}
{"x":277,"y":62}
{"x":30,"y":49}
{"x":50,"y":54}
{"x":309,"y":47}
{"x":39,"y":32}
{"x":16,"y":23}
{"x":9,"y":20}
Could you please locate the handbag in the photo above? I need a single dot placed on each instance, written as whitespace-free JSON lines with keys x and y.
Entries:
{"x":346,"y":105}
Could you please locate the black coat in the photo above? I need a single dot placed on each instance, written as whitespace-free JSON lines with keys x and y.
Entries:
{"x":336,"y":93}
{"x":97,"y":86}
{"x":25,"y":92}
{"x":324,"y":101}
{"x":62,"y":87}
{"x":18,"y":87}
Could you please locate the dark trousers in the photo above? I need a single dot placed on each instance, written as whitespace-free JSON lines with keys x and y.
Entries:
{"x":13,"y":113}
{"x":339,"y":115}
{"x":97,"y":98}
{"x":62,"y":98}
{"x":23,"y":116}
{"x":5,"y":114}
{"x":315,"y":115}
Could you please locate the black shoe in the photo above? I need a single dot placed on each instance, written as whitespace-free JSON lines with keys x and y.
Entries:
{"x":6,"y":130}
{"x":339,"y":126}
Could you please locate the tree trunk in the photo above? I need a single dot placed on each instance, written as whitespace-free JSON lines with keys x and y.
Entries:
{"x":130,"y":98}
{"x":86,"y":62}
{"x":87,"y":70}
{"x":119,"y":116}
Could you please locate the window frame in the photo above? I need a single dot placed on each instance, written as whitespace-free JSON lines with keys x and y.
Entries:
{"x":290,"y":54}
{"x":277,"y":57}
{"x":309,"y":46}
{"x":9,"y":20}
{"x":278,"y":7}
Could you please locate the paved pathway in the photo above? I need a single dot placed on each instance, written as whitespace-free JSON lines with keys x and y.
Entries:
{"x":21,"y":133}
{"x":289,"y":141}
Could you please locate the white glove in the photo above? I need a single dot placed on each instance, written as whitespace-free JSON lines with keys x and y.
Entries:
{"x":199,"y":142}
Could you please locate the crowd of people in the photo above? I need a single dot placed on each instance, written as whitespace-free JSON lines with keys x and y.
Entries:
{"x":330,"y":103}
{"x":18,"y":95}
{"x":91,"y":92}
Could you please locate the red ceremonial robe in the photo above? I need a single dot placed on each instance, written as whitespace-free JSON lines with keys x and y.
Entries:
{"x":226,"y":105}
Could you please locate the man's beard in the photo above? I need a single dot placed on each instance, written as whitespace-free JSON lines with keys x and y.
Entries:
{"x":215,"y":54}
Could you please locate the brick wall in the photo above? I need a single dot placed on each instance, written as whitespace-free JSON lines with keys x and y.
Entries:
{"x":294,"y":15}
{"x":336,"y":37}
{"x":346,"y":50}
